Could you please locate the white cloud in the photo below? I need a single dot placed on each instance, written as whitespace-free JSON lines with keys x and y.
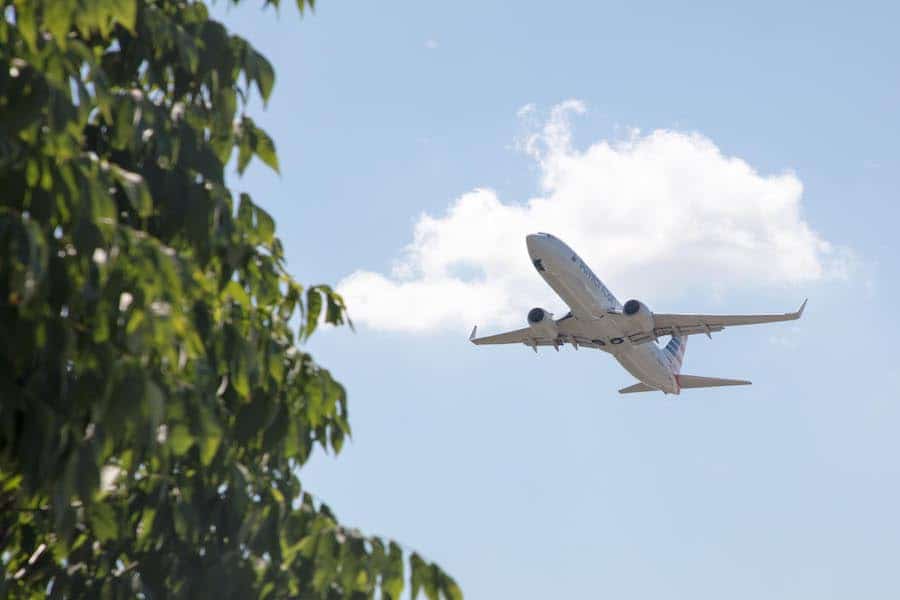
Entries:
{"x":431,"y":44}
{"x":655,"y":214}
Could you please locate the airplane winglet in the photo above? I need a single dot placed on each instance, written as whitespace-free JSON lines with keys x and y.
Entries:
{"x":799,"y":312}
{"x":472,"y":335}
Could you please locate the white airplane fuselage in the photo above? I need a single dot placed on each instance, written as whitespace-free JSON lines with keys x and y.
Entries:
{"x":590,"y":302}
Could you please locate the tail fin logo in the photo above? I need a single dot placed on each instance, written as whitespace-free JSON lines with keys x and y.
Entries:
{"x":675,"y":349}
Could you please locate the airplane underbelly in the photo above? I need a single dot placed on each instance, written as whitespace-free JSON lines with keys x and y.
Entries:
{"x":641,"y":363}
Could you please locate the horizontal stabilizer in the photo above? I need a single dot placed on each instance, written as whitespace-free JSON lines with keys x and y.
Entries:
{"x":693,"y":381}
{"x":687,"y":382}
{"x":638,"y":387}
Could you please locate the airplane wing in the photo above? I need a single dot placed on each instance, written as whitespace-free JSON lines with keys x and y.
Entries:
{"x":519,"y":336}
{"x":568,"y":333}
{"x":673,"y":324}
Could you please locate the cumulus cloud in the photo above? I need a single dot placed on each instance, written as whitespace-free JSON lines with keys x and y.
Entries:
{"x":654,"y":214}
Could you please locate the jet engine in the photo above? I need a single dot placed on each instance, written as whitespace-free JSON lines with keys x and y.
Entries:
{"x":542,"y":323}
{"x":639,"y":315}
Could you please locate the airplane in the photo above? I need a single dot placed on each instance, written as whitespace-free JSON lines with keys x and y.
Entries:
{"x":596,"y":319}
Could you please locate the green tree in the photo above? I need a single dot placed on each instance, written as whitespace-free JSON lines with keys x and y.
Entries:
{"x":155,"y":406}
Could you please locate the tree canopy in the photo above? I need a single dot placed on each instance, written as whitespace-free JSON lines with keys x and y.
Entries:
{"x":156,"y":406}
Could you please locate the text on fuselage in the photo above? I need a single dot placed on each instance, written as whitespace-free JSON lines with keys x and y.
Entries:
{"x":596,"y":281}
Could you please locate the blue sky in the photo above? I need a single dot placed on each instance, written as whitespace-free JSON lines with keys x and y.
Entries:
{"x":529,"y":476}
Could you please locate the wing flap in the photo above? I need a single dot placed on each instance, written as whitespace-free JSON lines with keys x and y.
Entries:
{"x":640,"y":338}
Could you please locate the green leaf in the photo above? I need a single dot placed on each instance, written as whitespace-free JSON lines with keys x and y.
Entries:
{"x":431,"y":578}
{"x":155,"y":404}
{"x":58,"y":19}
{"x":260,"y":70}
{"x":10,"y":482}
{"x":265,"y":226}
{"x":27,"y":22}
{"x":211,"y":440}
{"x":334,"y":313}
{"x":392,"y":576}
{"x":240,"y":379}
{"x":265,"y":149}
{"x":135,"y":189}
{"x":123,"y":128}
{"x":245,"y":211}
{"x":145,"y":525}
{"x":180,"y":439}
{"x":103,"y":208}
{"x":134,"y":321}
{"x":100,"y":330}
{"x":337,"y":439}
{"x":236,"y":293}
{"x":307,"y":546}
{"x":416,"y":574}
{"x":103,"y":521}
{"x":125,"y":13}
{"x":245,"y":151}
{"x":32,"y":172}
{"x":276,"y":367}
{"x":450,"y":589}
{"x":313,"y":310}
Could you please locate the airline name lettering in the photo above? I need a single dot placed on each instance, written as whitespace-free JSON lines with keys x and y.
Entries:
{"x":596,"y":281}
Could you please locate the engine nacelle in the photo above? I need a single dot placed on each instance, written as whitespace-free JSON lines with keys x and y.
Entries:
{"x":542,"y":323}
{"x":639,"y":315}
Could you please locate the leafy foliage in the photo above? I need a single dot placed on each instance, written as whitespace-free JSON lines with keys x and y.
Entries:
{"x":154,"y":405}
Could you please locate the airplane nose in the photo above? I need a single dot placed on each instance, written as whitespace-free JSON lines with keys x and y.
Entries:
{"x":536,"y":242}
{"x":541,"y":244}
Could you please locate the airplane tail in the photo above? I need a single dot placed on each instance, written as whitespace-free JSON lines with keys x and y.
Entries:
{"x":675,"y":349}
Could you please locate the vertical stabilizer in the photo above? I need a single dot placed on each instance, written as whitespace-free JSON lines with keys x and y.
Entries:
{"x":675,"y":349}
